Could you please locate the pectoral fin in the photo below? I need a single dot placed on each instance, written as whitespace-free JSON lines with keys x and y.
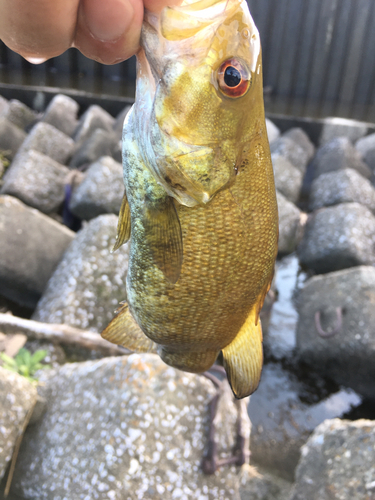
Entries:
{"x":123,"y":225}
{"x":243,"y":357}
{"x":164,"y":236}
{"x":123,"y":330}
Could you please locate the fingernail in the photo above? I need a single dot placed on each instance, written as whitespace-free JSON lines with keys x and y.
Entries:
{"x":36,"y":60}
{"x":107,"y":21}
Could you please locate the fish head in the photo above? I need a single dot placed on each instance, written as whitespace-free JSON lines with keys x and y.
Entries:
{"x":203,"y":64}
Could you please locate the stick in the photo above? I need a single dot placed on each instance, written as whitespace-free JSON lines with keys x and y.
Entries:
{"x":57,"y":334}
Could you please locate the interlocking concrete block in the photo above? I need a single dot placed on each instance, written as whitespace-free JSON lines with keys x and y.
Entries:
{"x":335,"y":330}
{"x":37,"y":180}
{"x":62,"y":114}
{"x":338,"y":237}
{"x":46,"y":139}
{"x":342,"y":127}
{"x":337,"y":155}
{"x":342,"y":186}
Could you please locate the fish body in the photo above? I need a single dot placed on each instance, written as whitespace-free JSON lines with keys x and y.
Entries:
{"x":200,"y":205}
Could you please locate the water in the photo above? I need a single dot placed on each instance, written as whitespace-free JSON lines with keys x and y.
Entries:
{"x":280,"y":340}
{"x":322,"y":396}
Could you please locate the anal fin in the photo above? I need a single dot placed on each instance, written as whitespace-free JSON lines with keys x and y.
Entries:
{"x":123,"y":330}
{"x":123,"y":225}
{"x":193,"y":362}
{"x":164,"y":236}
{"x":243,"y":357}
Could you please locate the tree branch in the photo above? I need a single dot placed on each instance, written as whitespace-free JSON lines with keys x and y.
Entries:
{"x":58,"y":334}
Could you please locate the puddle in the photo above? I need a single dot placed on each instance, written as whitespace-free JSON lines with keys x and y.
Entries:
{"x":283,"y":419}
{"x":323,"y":397}
{"x":280,"y":340}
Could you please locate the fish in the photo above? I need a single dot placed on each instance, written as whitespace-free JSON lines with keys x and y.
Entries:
{"x":199,"y":206}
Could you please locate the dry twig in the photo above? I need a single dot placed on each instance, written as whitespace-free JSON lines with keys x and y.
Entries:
{"x":58,"y":334}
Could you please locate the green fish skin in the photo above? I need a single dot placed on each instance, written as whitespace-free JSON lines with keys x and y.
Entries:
{"x":200,"y":206}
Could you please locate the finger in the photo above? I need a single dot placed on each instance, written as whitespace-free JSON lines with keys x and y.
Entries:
{"x":38,"y":28}
{"x":109,"y":31}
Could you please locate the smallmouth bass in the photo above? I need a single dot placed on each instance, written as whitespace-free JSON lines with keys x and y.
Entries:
{"x":199,"y":206}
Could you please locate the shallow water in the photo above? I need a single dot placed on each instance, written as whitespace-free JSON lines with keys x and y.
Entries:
{"x":280,"y":340}
{"x":325,"y":397}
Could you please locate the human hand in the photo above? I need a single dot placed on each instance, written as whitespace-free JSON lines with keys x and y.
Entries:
{"x":107,"y":31}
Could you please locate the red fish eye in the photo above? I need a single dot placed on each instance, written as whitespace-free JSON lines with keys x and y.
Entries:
{"x":234,"y":78}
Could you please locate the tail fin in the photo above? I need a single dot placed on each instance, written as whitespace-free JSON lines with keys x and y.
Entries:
{"x":243,"y":357}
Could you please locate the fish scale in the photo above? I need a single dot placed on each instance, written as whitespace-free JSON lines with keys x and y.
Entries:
{"x":203,"y":234}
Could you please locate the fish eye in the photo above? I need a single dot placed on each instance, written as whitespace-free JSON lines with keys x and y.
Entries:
{"x":234,"y":78}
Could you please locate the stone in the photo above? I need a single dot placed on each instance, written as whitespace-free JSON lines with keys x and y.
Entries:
{"x":365,"y":144}
{"x":3,"y":104}
{"x":124,"y":427}
{"x":11,"y":138}
{"x":347,"y":356}
{"x":282,"y":420}
{"x":101,"y":190}
{"x":100,"y":143}
{"x":342,"y":186}
{"x":32,"y":244}
{"x":62,"y":114}
{"x":95,"y":117}
{"x":265,"y":312}
{"x":338,"y":237}
{"x":46,"y":139}
{"x":55,"y":353}
{"x":39,"y":410}
{"x":89,"y":282}
{"x":337,"y":155}
{"x":3,"y":165}
{"x":299,"y":136}
{"x":258,"y":484}
{"x":338,"y":462}
{"x":273,"y":131}
{"x":290,"y":225}
{"x":342,"y":127}
{"x":37,"y":180}
{"x":370,"y":161}
{"x":19,"y":114}
{"x":289,"y":149}
{"x":117,"y":152}
{"x":119,"y":123}
{"x":17,"y":398}
{"x":288,"y":179}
